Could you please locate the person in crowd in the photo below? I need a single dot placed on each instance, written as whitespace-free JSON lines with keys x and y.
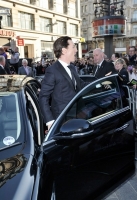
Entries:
{"x":14,"y":60}
{"x":125,"y":58}
{"x":103,"y":67}
{"x":61,"y":81}
{"x":120,"y":66}
{"x":7,"y":67}
{"x":133,"y":74}
{"x":44,"y":59}
{"x":2,"y":65}
{"x":90,"y":65}
{"x":114,"y":57}
{"x":25,"y":69}
{"x":132,"y":56}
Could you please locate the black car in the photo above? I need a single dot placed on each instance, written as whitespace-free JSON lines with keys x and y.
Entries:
{"x":88,"y":151}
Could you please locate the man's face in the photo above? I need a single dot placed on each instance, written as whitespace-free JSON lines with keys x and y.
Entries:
{"x":98,"y":56}
{"x":24,"y":64}
{"x":113,"y":57}
{"x":3,"y":62}
{"x":131,"y":51}
{"x":69,"y":53}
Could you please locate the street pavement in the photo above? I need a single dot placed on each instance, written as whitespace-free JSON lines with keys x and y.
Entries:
{"x":127,"y":190}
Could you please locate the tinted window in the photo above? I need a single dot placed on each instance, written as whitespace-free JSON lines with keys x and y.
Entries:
{"x":9,"y":118}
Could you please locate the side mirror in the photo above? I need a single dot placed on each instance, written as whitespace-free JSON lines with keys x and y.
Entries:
{"x":76,"y":128}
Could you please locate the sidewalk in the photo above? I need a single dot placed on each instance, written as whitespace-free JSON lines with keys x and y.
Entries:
{"x":128,"y":190}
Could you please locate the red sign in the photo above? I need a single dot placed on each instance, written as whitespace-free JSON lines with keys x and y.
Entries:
{"x":20,"y":42}
{"x":7,"y":33}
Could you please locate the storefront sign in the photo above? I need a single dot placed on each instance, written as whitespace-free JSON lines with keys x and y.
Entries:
{"x":20,"y":42}
{"x":104,"y":27}
{"x":7,"y":33}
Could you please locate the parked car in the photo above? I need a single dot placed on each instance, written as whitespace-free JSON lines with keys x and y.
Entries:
{"x":88,"y":151}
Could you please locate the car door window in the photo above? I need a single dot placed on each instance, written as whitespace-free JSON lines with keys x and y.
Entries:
{"x":97,"y":100}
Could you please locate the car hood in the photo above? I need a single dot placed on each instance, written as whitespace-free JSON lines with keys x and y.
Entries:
{"x":16,"y":177}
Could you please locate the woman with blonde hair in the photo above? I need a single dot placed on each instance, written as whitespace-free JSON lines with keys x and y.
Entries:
{"x":121,"y":68}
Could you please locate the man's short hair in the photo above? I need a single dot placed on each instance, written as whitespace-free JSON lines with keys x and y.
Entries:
{"x":2,"y":58}
{"x":117,"y":55}
{"x":24,"y":60}
{"x":60,"y":43}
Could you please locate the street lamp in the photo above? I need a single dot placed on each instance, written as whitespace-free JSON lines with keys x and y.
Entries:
{"x":109,"y":21}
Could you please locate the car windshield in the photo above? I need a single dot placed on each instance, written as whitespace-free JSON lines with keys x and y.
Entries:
{"x":10,"y":125}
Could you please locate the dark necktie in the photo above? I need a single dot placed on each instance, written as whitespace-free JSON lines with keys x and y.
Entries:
{"x":97,"y":70}
{"x":73,"y":78}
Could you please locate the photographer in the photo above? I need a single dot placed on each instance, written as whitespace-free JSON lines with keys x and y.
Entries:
{"x":14,"y":61}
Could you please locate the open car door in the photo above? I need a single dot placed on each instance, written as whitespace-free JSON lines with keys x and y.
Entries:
{"x":90,"y":148}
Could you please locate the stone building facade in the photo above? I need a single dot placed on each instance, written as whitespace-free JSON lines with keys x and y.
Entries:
{"x":33,"y":25}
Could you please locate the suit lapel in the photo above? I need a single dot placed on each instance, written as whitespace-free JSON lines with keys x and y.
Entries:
{"x":64,"y":73}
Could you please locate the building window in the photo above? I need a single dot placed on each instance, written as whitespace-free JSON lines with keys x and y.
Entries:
{"x":81,"y":9}
{"x":26,"y":21}
{"x":84,"y":22}
{"x":135,"y":14}
{"x":59,"y":6}
{"x":6,"y":20}
{"x":135,"y":29}
{"x":86,"y":8}
{"x":43,"y":4}
{"x":47,"y":48}
{"x":74,"y":29}
{"x":72,"y":9}
{"x":45,"y":25}
{"x":134,"y":1}
{"x":119,"y":44}
{"x":59,"y":27}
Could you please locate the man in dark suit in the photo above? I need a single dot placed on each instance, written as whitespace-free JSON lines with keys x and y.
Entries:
{"x":25,"y":69}
{"x":61,"y":82}
{"x":2,"y":65}
{"x":103,"y":67}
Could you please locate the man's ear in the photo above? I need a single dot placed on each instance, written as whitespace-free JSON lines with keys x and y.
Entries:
{"x":64,"y":50}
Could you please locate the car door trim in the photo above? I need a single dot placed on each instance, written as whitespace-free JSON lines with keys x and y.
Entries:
{"x":117,"y":112}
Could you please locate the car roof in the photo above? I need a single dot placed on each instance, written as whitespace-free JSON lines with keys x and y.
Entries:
{"x":13,"y":83}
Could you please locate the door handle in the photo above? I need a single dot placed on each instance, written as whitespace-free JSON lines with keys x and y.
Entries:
{"x":122,"y":127}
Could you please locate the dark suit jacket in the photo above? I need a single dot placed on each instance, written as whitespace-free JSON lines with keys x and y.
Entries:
{"x":58,"y":86}
{"x":104,"y":69}
{"x":21,"y":71}
{"x":124,"y":77}
{"x":2,"y":71}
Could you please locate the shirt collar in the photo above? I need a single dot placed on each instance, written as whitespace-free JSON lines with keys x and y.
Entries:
{"x":101,"y":62}
{"x":63,"y":63}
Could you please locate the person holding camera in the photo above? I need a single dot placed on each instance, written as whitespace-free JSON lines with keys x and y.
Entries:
{"x":14,"y":61}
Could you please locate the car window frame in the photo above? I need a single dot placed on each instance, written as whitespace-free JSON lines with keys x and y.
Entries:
{"x":32,"y":98}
